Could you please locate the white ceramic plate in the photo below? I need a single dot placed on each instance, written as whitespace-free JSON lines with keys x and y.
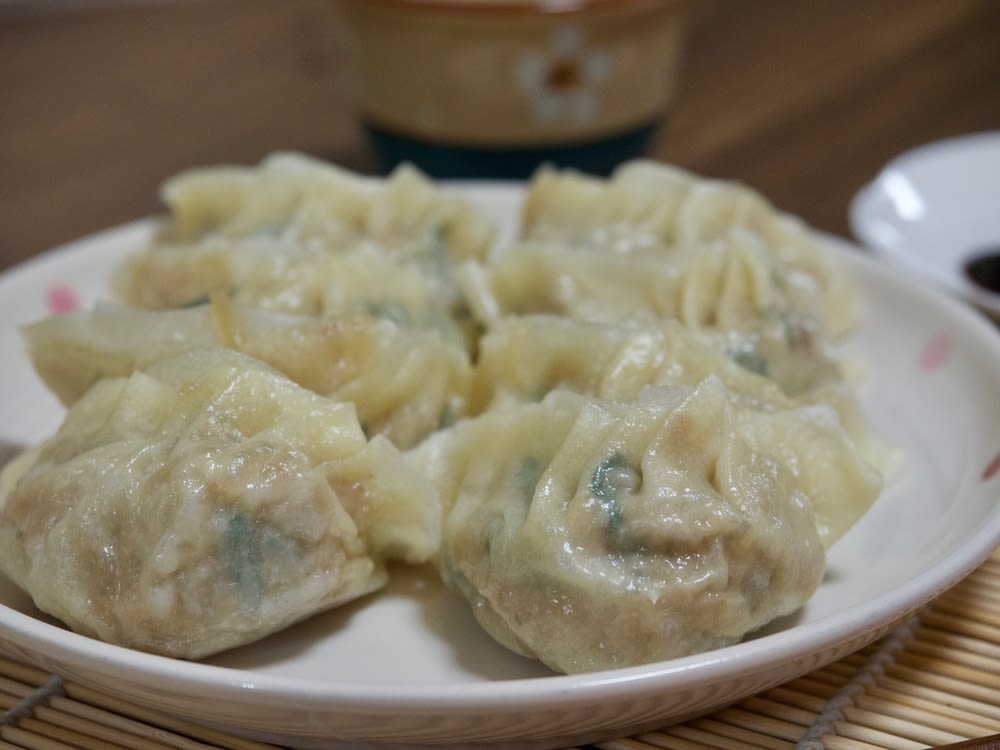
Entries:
{"x":932,"y":209}
{"x":410,"y":666}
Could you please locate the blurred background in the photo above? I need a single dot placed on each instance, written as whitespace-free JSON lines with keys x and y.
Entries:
{"x":802,"y":99}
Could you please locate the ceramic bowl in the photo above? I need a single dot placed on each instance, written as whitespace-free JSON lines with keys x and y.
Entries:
{"x":934,"y":213}
{"x":494,"y":88}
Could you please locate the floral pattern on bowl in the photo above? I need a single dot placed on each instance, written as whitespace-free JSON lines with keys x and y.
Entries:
{"x":563,"y":80}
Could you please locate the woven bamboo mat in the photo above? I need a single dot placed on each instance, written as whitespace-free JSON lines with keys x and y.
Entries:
{"x":934,"y":681}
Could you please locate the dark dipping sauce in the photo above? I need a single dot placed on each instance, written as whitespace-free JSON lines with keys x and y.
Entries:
{"x":983,"y":269}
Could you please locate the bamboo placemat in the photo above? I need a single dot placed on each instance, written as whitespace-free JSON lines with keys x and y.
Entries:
{"x":934,"y":681}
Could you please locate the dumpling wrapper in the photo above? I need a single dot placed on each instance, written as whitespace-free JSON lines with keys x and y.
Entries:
{"x":290,"y":280}
{"x":593,"y":535}
{"x":732,"y":291}
{"x":648,"y":208}
{"x":523,"y":358}
{"x":206,"y":503}
{"x":403,"y":382}
{"x":269,"y":233}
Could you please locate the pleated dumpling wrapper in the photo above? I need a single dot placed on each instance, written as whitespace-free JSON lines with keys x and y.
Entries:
{"x":647,"y":208}
{"x":295,"y":234}
{"x":735,"y":289}
{"x":525,"y":357}
{"x":205,"y":503}
{"x":404,"y":382}
{"x":594,"y":534}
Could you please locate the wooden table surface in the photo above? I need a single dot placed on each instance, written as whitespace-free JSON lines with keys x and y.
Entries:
{"x":802,"y":99}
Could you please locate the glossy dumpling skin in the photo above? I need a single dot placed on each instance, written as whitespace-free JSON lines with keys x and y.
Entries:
{"x":205,"y":503}
{"x":297,"y":235}
{"x":524,"y":358}
{"x":595,"y":535}
{"x":729,"y":289}
{"x":289,"y":280}
{"x":650,"y":208}
{"x":404,"y":382}
{"x":300,"y":201}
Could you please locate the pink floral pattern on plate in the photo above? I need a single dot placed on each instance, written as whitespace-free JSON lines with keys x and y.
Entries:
{"x":60,"y":299}
{"x":991,"y":468}
{"x":936,"y":352}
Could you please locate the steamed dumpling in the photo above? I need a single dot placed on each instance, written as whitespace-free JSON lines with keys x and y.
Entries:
{"x":593,"y":534}
{"x":649,"y":208}
{"x":729,"y":290}
{"x":299,"y":201}
{"x":403,"y":382}
{"x":523,"y":358}
{"x":299,"y":236}
{"x":722,"y":285}
{"x":298,"y":282}
{"x":205,"y":503}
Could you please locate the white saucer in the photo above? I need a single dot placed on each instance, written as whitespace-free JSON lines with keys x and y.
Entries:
{"x":933,"y":209}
